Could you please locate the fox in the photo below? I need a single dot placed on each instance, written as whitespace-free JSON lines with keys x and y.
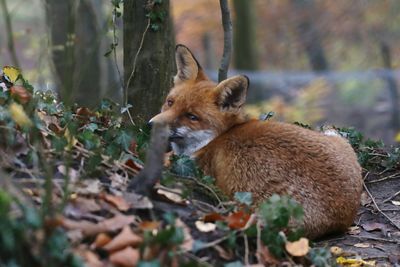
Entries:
{"x":208,"y":123}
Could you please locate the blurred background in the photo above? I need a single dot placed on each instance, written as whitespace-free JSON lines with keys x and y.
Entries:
{"x":311,"y":61}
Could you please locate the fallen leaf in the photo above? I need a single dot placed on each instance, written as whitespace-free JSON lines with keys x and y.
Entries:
{"x":89,"y":187}
{"x":127,"y":257}
{"x":188,"y":241}
{"x":91,"y":259}
{"x":101,"y":240}
{"x":124,"y":239}
{"x":336,"y":251}
{"x":365,"y":199}
{"x":117,"y":201}
{"x":213,"y":217}
{"x":172,"y":194}
{"x":11,"y":73}
{"x":205,"y":227}
{"x":394,"y":202}
{"x":362,"y":245}
{"x":372,"y":226}
{"x":265,"y":257}
{"x":137,"y":201}
{"x":72,"y":173}
{"x":18,"y":114}
{"x":149,"y":225}
{"x":298,"y":248}
{"x":237,"y":220}
{"x":21,"y":94}
{"x":131,"y":164}
{"x":354,"y":262}
{"x":109,"y":225}
{"x":354,"y":230}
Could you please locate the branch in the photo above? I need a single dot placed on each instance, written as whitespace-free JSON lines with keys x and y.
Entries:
{"x":152,"y":171}
{"x":227,"y":26}
{"x":11,"y":46}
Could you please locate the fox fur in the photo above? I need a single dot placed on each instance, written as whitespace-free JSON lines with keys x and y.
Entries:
{"x":208,"y":123}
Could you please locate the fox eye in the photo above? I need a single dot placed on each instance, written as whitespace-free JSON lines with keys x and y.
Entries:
{"x":169,"y":102}
{"x":192,"y":117}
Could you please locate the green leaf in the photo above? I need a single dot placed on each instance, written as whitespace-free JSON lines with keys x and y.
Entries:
{"x":184,"y":166}
{"x":234,"y":264}
{"x":92,"y":127}
{"x":244,"y":198}
{"x":154,"y":263}
{"x":124,"y":139}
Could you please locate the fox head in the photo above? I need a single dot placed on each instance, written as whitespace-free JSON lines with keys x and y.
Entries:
{"x":196,"y":109}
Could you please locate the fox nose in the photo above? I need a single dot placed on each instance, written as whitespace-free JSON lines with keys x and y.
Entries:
{"x":150,"y":124}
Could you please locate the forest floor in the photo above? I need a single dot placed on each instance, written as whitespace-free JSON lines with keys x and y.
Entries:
{"x":374,"y":236}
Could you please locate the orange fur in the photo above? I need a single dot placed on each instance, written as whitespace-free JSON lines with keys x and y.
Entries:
{"x":321,"y":172}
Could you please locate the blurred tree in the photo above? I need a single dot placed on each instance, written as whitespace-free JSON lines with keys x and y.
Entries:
{"x":245,"y":56}
{"x":148,"y":55}
{"x":10,"y":37}
{"x":76,"y":35}
{"x":309,"y":34}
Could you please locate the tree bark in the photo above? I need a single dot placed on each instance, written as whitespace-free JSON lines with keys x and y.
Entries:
{"x":227,"y":26}
{"x":245,"y":54}
{"x":309,"y":35}
{"x":392,"y":87}
{"x":61,"y":22}
{"x":149,"y":80}
{"x":10,"y":41}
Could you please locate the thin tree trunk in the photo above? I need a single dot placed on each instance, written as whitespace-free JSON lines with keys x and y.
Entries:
{"x":227,"y":26}
{"x":10,"y":37}
{"x":61,"y":23}
{"x":392,"y":87}
{"x":148,"y":57}
{"x":245,"y":54}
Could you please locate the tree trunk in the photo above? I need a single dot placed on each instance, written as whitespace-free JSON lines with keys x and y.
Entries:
{"x":87,"y":70}
{"x":61,"y":23}
{"x":392,"y":87}
{"x":244,"y":39}
{"x":309,"y":35}
{"x":149,"y":80}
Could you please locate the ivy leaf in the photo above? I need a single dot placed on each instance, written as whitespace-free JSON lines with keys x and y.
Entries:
{"x":124,"y":139}
{"x":234,"y":264}
{"x":244,"y":198}
{"x":184,"y":166}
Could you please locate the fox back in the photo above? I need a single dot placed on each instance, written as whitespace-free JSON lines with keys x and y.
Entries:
{"x":262,"y":157}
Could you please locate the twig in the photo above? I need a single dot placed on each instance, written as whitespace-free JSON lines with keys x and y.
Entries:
{"x":152,"y":170}
{"x":227,"y":26}
{"x":392,"y":176}
{"x":213,"y":243}
{"x":246,"y":250}
{"x":376,"y":239}
{"x":197,"y":259}
{"x":390,"y":198}
{"x":378,"y":209}
{"x":11,"y":45}
{"x":258,"y":227}
{"x":134,"y":63}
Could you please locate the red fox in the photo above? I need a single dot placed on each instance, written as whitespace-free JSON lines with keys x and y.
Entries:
{"x":208,"y":123}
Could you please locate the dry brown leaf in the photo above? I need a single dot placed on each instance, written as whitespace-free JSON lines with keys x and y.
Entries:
{"x":372,"y":226}
{"x":213,"y":217}
{"x":354,"y":230}
{"x":365,"y":199}
{"x":117,"y":201}
{"x":237,"y":220}
{"x":89,"y":187}
{"x":72,"y":173}
{"x":188,"y":241}
{"x":101,"y":240}
{"x":20,"y":93}
{"x":109,"y":225}
{"x":172,"y":194}
{"x":205,"y":227}
{"x":149,"y":225}
{"x":362,"y":245}
{"x":336,"y":251}
{"x":131,"y":164}
{"x":125,"y":238}
{"x":91,"y":259}
{"x":265,"y":257}
{"x":298,"y":248}
{"x":137,"y":201}
{"x":127,"y":257}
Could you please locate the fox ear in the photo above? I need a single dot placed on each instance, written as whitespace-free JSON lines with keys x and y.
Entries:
{"x":231,"y":93}
{"x":188,"y":67}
